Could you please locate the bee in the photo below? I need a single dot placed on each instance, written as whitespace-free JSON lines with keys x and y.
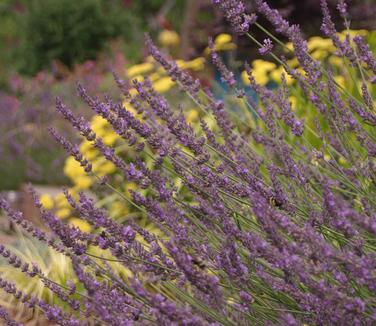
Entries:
{"x":274,"y":202}
{"x":199,"y":263}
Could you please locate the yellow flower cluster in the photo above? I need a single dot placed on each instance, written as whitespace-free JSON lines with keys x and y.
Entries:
{"x":319,"y":48}
{"x":222,"y":42}
{"x":168,"y":38}
{"x":162,"y":83}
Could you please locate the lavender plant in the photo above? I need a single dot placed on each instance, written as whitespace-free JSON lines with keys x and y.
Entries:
{"x":272,"y":225}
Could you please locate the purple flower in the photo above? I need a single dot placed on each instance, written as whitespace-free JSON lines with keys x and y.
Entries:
{"x":234,"y":11}
{"x":266,"y":47}
{"x":226,"y":75}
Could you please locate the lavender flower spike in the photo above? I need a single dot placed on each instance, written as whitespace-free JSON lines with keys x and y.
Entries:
{"x":234,"y":11}
{"x":226,"y":75}
{"x":267,"y":47}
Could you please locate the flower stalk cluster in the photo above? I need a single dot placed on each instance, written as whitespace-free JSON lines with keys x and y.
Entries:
{"x":271,"y":225}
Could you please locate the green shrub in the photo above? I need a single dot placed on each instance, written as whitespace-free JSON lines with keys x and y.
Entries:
{"x":66,"y":30}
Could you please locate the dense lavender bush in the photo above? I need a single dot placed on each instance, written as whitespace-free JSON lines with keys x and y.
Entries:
{"x":273,"y":225}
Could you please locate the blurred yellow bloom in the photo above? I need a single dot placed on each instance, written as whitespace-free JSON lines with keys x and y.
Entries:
{"x":319,"y":54}
{"x":118,"y":209}
{"x":193,"y":115}
{"x":83,"y":182}
{"x":222,"y":42}
{"x":130,"y":186}
{"x":294,"y":102}
{"x":351,"y":33}
{"x":46,"y":201}
{"x":289,"y":46}
{"x":149,"y":59}
{"x":293,"y":63}
{"x":81,"y":224}
{"x":263,"y":65}
{"x":222,"y":39}
{"x":244,"y":77}
{"x":276,"y":75}
{"x":336,"y":61}
{"x":88,"y":150}
{"x":340,"y":80}
{"x":139,"y":78}
{"x":72,"y":168}
{"x":140,"y":69}
{"x":110,"y":138}
{"x":105,"y":168}
{"x":63,"y":213}
{"x":260,"y":71}
{"x":317,"y":42}
{"x":168,"y":38}
{"x":163,"y":85}
{"x":133,"y":92}
{"x":154,"y":76}
{"x":98,"y":124}
{"x":61,"y":201}
{"x":195,"y":64}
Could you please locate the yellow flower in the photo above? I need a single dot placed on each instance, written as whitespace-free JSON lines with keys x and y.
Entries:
{"x":106,"y":167}
{"x":110,"y":138}
{"x":140,"y":69}
{"x":340,"y":80}
{"x":88,"y":150}
{"x":293,"y":63}
{"x":260,"y":71}
{"x":118,"y":209}
{"x":163,"y":85}
{"x":222,"y":39}
{"x":260,"y":76}
{"x":61,"y":201}
{"x":99,"y":125}
{"x":72,"y":168}
{"x":352,"y":33}
{"x":168,"y":38}
{"x":83,"y":182}
{"x":289,"y":46}
{"x":336,"y":61}
{"x":244,"y":77}
{"x":276,"y":75}
{"x":319,"y":54}
{"x":195,"y":64}
{"x":222,"y":42}
{"x":139,"y":78}
{"x":263,"y":65}
{"x":317,"y":42}
{"x":81,"y":224}
{"x":294,"y":102}
{"x":154,"y":76}
{"x":149,"y":59}
{"x":133,"y":92}
{"x":46,"y":201}
{"x":63,"y":213}
{"x":193,"y":116}
{"x":130,"y":186}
